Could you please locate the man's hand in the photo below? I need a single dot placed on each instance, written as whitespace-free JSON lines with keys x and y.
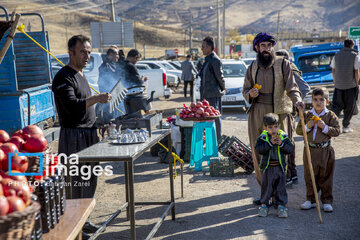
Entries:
{"x":144,"y":78}
{"x":254,"y":93}
{"x":104,"y":97}
{"x":310,"y":124}
{"x":320,"y":124}
{"x":300,"y":106}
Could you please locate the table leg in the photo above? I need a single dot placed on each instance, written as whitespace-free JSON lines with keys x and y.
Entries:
{"x":126,"y":169}
{"x":171,"y":177}
{"x":131,"y":200}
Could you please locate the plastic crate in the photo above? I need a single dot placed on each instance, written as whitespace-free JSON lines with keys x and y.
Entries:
{"x":221,"y":167}
{"x":239,"y":153}
{"x":223,"y":142}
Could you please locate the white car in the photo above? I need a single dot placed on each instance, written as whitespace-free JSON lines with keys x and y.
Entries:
{"x":234,"y":75}
{"x":167,"y":67}
{"x":248,"y":61}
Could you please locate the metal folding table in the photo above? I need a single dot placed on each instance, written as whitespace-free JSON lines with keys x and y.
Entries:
{"x":105,"y":151}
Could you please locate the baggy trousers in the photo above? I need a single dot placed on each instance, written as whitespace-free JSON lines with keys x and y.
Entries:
{"x":191,"y":83}
{"x":273,"y":182}
{"x":345,"y":100}
{"x":73,"y":140}
{"x":323,"y":161}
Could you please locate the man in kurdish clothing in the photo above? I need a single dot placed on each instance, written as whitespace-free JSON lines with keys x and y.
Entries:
{"x":278,"y":92}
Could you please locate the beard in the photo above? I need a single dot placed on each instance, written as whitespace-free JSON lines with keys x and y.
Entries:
{"x":266,"y":60}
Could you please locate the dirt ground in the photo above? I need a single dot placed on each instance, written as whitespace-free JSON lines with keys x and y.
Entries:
{"x":221,"y":207}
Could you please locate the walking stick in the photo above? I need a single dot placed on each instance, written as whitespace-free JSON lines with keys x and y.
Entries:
{"x":301,"y":115}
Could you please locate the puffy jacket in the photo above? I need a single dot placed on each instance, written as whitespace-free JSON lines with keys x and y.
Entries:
{"x":212,"y":78}
{"x":274,"y":152}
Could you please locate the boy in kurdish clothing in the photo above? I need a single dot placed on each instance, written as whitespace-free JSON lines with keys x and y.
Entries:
{"x":273,"y":144}
{"x":321,"y":125}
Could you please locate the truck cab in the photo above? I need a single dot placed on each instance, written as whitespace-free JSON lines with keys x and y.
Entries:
{"x":314,"y":62}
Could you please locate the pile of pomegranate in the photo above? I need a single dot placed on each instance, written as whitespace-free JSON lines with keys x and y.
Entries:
{"x":15,"y":190}
{"x":201,"y":109}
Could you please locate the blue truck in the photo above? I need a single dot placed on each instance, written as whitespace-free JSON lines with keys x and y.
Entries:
{"x":314,"y":62}
{"x":25,"y":81}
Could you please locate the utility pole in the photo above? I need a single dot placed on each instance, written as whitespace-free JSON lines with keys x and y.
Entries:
{"x":190,"y":34}
{"x":224,"y":32}
{"x":184,"y":42}
{"x":218,"y":29}
{"x":135,"y":28}
{"x":112,"y":10}
{"x":278,"y":25}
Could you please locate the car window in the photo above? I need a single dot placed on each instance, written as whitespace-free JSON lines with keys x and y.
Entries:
{"x":248,"y":61}
{"x":316,"y":63}
{"x":234,"y":70}
{"x":140,"y":67}
{"x":175,"y":65}
{"x":167,"y":66}
{"x":153,"y":66}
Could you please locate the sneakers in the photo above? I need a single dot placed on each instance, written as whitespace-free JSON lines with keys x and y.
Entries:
{"x":282,"y":212}
{"x":257,"y":201}
{"x":295,"y":180}
{"x":263,"y":211}
{"x":328,"y":208}
{"x":289,"y":183}
{"x":347,"y":130}
{"x":307,"y":205}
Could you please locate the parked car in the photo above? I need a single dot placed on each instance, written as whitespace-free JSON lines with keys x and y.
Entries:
{"x":234,"y":74}
{"x":248,"y":61}
{"x":175,"y":64}
{"x":157,"y":78}
{"x":157,"y":65}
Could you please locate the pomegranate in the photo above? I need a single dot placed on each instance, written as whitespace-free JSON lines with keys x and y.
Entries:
{"x":185,"y":116}
{"x":212,"y":114}
{"x":4,"y":206}
{"x":191,"y":115}
{"x":19,"y":163}
{"x":2,"y":158}
{"x":199,"y":104}
{"x":18,"y":178}
{"x":20,"y":189}
{"x":26,"y":136}
{"x":197,"y":115}
{"x":18,"y":133}
{"x":35,"y":143}
{"x":187,"y":110}
{"x":192,"y":105}
{"x":32,"y":130}
{"x":181,"y":115}
{"x":15,"y":204}
{"x":1,"y":189}
{"x":18,"y":141}
{"x":7,"y":148}
{"x":4,"y":136}
{"x":200,"y":111}
{"x":205,"y":103}
{"x":194,"y":109}
{"x":206,"y":114}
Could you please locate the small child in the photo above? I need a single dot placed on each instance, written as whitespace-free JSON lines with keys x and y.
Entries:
{"x":321,"y":125}
{"x":273,"y":144}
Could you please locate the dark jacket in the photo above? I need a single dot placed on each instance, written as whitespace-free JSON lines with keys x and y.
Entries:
{"x":212,"y":79}
{"x":273,"y":152}
{"x":132,"y":75}
{"x":108,"y":75}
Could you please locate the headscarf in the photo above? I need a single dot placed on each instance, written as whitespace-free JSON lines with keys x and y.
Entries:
{"x":263,"y":37}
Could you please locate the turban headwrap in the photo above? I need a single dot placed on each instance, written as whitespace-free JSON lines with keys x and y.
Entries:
{"x":263,"y":37}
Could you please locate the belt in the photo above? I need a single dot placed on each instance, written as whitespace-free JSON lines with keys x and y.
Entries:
{"x":320,"y":145}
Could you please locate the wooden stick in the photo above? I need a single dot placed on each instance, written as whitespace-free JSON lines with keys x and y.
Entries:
{"x":307,"y":149}
{"x":10,"y":37}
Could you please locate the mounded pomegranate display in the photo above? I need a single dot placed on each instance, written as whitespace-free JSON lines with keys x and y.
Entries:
{"x":200,"y":111}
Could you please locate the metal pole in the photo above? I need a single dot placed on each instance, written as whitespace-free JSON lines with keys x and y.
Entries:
{"x":135,"y":28}
{"x":278,"y":24}
{"x":223,"y":36}
{"x":190,"y":33}
{"x":218,"y":28}
{"x":112,"y":10}
{"x":144,"y":51}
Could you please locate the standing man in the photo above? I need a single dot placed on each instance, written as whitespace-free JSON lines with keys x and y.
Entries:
{"x":212,"y":80}
{"x":75,"y":107}
{"x":108,"y":75}
{"x":345,"y":72}
{"x":132,"y":75}
{"x":188,"y":75}
{"x":278,"y":93}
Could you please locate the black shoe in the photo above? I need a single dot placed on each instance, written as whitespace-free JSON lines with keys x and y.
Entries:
{"x":295,"y":180}
{"x":257,"y":201}
{"x":89,"y":227}
{"x":85,"y":236}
